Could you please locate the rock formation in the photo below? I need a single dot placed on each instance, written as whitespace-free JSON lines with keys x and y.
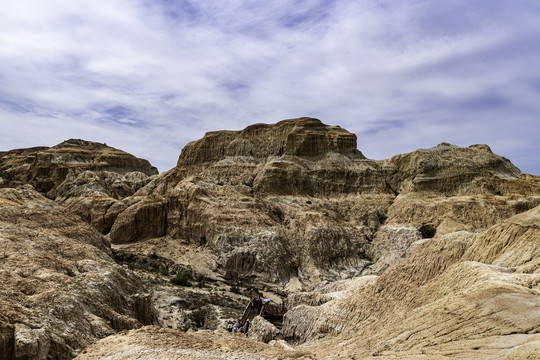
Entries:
{"x":88,"y":177}
{"x":429,"y":254}
{"x":459,"y":295}
{"x":296,"y":203}
{"x":61,"y":290}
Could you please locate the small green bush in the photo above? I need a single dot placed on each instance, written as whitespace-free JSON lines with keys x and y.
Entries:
{"x":220,"y":183}
{"x":235,"y":290}
{"x":164,"y":272}
{"x":199,"y":317}
{"x":153,"y":255}
{"x":427,"y":230}
{"x":182,"y":279}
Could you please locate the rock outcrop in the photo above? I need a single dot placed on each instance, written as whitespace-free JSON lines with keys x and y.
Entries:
{"x":428,"y":254}
{"x":61,"y":289}
{"x":461,"y":295}
{"x":263,"y":330}
{"x":89,"y":178}
{"x":297,"y":202}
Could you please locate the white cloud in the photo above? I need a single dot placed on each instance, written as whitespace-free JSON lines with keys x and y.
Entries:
{"x":147,"y":77}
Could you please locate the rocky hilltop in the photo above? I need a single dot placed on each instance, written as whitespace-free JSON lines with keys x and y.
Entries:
{"x":295,"y":203}
{"x":428,"y":254}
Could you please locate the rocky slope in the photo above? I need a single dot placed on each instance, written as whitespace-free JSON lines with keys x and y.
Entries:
{"x":460,"y":295}
{"x":428,"y":254}
{"x":88,"y":177}
{"x":294,"y":203}
{"x":61,"y":289}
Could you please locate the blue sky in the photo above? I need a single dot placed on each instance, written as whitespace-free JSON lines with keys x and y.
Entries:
{"x":149,"y":76}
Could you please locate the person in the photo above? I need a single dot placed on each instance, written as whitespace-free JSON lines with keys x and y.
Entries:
{"x":238,"y":326}
{"x":256,"y":304}
{"x":244,"y":329}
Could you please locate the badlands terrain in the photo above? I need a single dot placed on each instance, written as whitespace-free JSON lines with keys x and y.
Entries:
{"x":433,"y":254}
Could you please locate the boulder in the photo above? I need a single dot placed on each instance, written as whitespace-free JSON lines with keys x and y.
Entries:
{"x":264,"y":331}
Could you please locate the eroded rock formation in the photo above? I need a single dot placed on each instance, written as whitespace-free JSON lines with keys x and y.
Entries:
{"x":428,"y":254}
{"x":61,"y":289}
{"x":295,"y":202}
{"x":88,"y":177}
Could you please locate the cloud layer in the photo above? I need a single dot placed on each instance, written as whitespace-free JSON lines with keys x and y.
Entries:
{"x":149,"y":76}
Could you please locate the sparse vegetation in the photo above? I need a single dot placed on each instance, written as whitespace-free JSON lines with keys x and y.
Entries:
{"x":199,"y":317}
{"x":201,"y":280}
{"x":276,"y":213}
{"x":308,"y":202}
{"x":220,"y":183}
{"x":234,"y":290}
{"x":427,"y":230}
{"x":182,"y":279}
{"x":153,"y":256}
{"x":164,"y":272}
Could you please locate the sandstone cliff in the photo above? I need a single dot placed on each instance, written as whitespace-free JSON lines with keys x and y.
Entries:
{"x":294,"y":203}
{"x":88,"y":177}
{"x":61,"y":290}
{"x":425,"y":255}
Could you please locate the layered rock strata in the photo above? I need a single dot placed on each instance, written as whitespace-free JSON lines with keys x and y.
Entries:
{"x":61,"y":289}
{"x":294,"y":203}
{"x":89,"y":178}
{"x":461,"y":295}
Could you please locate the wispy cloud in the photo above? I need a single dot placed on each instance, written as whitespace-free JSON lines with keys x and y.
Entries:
{"x":149,"y":76}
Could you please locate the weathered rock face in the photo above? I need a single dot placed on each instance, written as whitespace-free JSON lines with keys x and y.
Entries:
{"x":462,"y":293}
{"x":295,"y":201}
{"x":453,"y":170}
{"x":61,"y":290}
{"x":285,"y":207}
{"x":263,"y":330}
{"x":88,"y":177}
{"x":47,"y":168}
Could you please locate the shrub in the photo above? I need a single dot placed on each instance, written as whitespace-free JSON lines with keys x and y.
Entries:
{"x":201,"y":280}
{"x":235,"y":290}
{"x":277,"y":213}
{"x":182,"y":279}
{"x":199,"y":317}
{"x":308,"y":202}
{"x":164,"y":272}
{"x":427,"y":230}
{"x":153,"y":255}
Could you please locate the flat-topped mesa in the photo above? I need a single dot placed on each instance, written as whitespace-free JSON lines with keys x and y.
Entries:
{"x":99,"y":157}
{"x":303,"y":137}
{"x":45,"y":168}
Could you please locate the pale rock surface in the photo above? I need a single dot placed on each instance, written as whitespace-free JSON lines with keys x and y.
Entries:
{"x":437,"y":303}
{"x":88,"y":177}
{"x":390,"y":244}
{"x":295,"y":203}
{"x":264,"y":331}
{"x":61,"y":290}
{"x":151,"y":342}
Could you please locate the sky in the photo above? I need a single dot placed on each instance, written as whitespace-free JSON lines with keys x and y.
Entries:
{"x":149,"y":76}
